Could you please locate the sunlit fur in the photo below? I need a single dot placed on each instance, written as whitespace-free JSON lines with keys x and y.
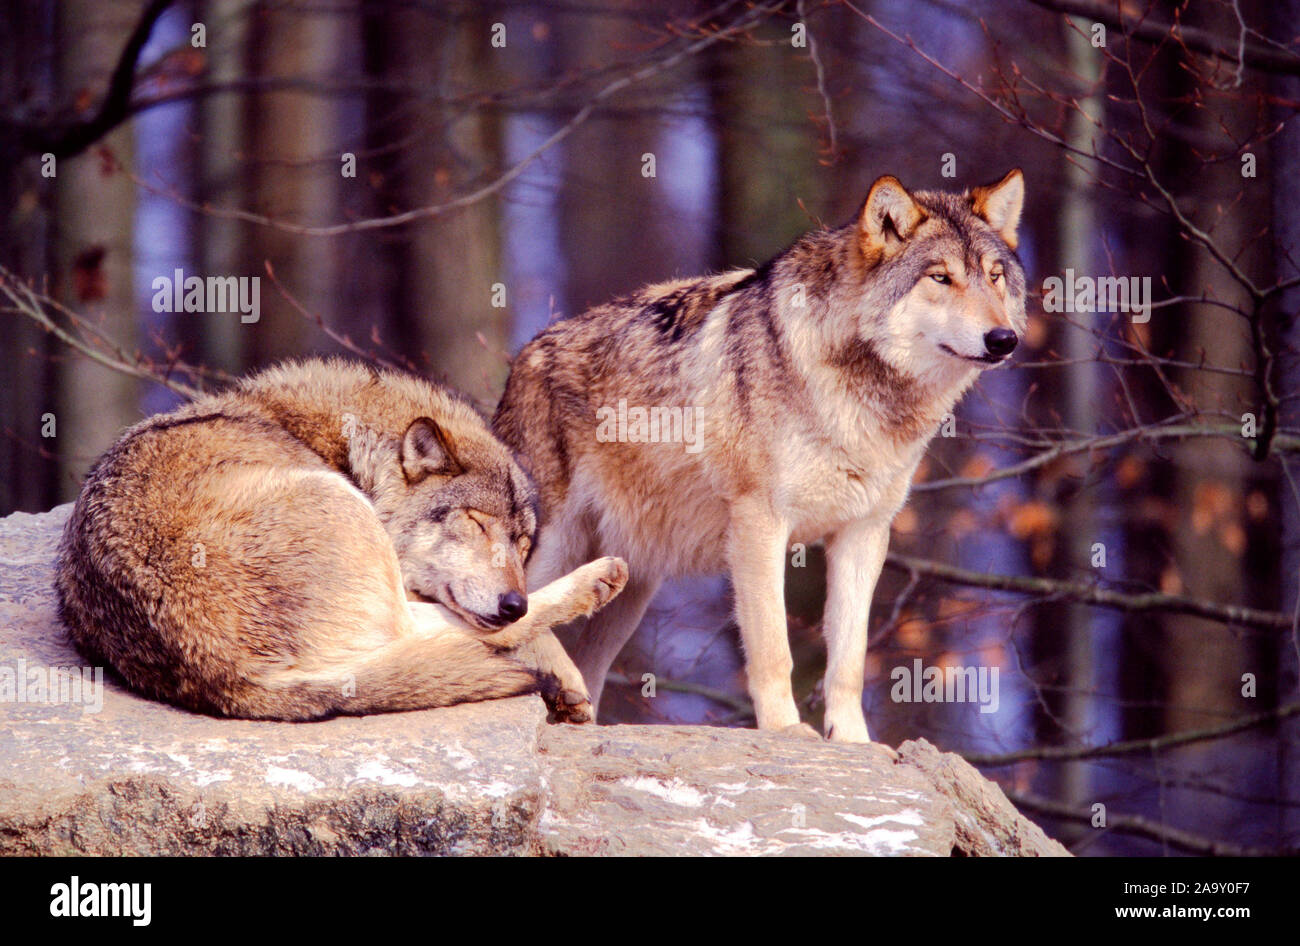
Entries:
{"x":252,"y":553}
{"x":819,"y":379}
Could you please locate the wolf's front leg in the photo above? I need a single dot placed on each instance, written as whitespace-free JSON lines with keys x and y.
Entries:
{"x":854,"y":557}
{"x":567,"y":698}
{"x":756,"y":545}
{"x":580,"y":593}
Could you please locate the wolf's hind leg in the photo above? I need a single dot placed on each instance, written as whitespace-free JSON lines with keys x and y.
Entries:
{"x":416,"y":671}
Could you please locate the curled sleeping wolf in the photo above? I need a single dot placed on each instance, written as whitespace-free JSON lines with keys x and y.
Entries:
{"x":324,"y":538}
{"x":812,"y":384}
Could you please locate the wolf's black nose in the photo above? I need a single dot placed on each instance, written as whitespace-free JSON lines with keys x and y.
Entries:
{"x":1000,"y":342}
{"x":512,"y":606}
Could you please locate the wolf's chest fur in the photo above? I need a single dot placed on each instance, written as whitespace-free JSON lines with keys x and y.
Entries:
{"x":827,"y":489}
{"x":816,"y":477}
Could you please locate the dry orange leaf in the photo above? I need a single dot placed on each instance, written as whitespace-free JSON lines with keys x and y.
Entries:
{"x":913,"y":634}
{"x":1036,"y":336}
{"x":952,"y":607}
{"x":962,"y":523}
{"x":978,"y":465}
{"x":1129,"y":471}
{"x":906,"y":520}
{"x":1030,"y":519}
{"x":1233,"y":537}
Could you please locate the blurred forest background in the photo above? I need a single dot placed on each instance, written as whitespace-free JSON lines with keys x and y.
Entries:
{"x":428,"y":184}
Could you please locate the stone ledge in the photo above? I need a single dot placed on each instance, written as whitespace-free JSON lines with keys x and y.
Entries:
{"x":139,"y":777}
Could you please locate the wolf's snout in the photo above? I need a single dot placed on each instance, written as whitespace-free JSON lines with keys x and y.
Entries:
{"x":1000,"y":342}
{"x":511,"y":606}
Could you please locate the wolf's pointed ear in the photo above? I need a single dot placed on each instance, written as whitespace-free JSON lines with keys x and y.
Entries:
{"x":889,"y":216}
{"x":999,"y":205}
{"x":427,"y":450}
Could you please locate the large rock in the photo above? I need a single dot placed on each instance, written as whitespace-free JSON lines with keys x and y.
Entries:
{"x":111,"y":773}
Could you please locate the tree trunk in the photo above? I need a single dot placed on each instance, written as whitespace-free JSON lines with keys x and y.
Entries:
{"x":27,"y":479}
{"x":1285,"y":180}
{"x":1072,"y":625}
{"x":95,"y":204}
{"x":220,"y":240}
{"x":293,"y":169}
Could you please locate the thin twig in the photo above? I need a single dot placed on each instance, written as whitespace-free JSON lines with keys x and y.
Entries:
{"x":1146,"y":828}
{"x":1136,"y":746}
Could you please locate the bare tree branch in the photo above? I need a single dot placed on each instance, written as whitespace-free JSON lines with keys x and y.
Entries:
{"x":1246,"y":52}
{"x":1151,"y":434}
{"x":66,"y":138}
{"x":1146,"y":828}
{"x":752,"y":17}
{"x":1136,"y":746}
{"x":24,"y":300}
{"x":1052,"y":588}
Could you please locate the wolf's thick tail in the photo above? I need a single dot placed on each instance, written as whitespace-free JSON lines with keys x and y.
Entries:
{"x":417,"y":672}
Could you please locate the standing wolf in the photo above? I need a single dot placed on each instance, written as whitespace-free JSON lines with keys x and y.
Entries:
{"x":814,"y":384}
{"x":325,"y":538}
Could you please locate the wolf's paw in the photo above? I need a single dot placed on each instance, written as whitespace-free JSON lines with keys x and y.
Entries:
{"x":802,"y":730}
{"x":604,"y":579}
{"x":854,"y":732}
{"x":848,"y":730}
{"x":564,"y":704}
{"x":563,"y":688}
{"x":571,"y":706}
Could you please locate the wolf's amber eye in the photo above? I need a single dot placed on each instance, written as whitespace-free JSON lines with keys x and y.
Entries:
{"x":942,"y":279}
{"x":995,"y":275}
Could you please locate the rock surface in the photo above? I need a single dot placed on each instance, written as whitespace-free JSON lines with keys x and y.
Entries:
{"x":112,"y":773}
